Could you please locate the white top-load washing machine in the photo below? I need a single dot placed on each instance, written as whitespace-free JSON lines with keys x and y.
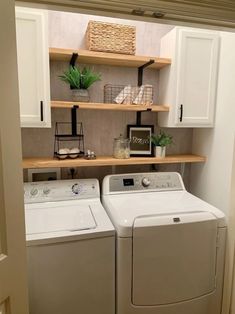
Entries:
{"x":170,"y":245}
{"x":70,"y":247}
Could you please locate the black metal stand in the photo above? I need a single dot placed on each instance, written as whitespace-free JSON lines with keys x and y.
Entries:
{"x":140,"y":82}
{"x":65,"y":139}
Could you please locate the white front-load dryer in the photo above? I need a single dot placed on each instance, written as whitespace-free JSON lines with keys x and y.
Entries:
{"x":70,"y":248}
{"x":170,"y":246}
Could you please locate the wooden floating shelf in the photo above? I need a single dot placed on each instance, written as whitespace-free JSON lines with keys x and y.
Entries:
{"x":105,"y":58}
{"x":102,"y":106}
{"x":109,"y":161}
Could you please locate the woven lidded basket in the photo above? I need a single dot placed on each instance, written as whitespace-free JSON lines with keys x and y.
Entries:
{"x":110,"y":37}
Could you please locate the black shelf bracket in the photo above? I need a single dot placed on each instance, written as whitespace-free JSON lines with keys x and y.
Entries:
{"x":138,"y":117}
{"x":141,"y":71}
{"x":73,"y":59}
{"x":74,"y":120}
{"x":140,"y":82}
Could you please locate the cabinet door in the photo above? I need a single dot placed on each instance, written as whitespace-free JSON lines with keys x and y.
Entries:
{"x":196,"y":78}
{"x":33,"y":67}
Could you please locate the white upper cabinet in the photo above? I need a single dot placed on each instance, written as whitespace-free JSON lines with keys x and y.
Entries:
{"x":33,"y":67}
{"x":188,"y":86}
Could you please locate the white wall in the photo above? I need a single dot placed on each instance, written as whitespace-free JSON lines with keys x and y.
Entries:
{"x":211,"y":181}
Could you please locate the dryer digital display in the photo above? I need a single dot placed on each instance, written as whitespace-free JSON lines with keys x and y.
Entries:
{"x":128,"y":182}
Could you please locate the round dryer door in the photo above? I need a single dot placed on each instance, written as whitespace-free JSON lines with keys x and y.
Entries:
{"x":174,"y":258}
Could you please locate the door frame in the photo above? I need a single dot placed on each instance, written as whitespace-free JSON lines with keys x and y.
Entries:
{"x":13,"y":270}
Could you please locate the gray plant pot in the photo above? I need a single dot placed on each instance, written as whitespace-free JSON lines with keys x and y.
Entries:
{"x":160,"y":151}
{"x":80,"y":95}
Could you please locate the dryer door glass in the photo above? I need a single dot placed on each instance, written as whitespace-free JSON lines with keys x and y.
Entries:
{"x":174,"y":258}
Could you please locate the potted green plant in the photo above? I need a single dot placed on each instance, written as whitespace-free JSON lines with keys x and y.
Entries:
{"x":160,"y":141}
{"x":80,"y":80}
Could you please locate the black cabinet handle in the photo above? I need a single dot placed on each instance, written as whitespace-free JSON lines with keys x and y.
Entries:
{"x":41,"y":109}
{"x":181,"y":112}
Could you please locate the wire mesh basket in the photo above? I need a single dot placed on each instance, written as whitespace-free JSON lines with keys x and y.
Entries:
{"x":128,"y":95}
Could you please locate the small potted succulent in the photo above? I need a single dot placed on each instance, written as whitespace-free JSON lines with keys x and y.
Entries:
{"x":80,"y":80}
{"x":160,"y":141}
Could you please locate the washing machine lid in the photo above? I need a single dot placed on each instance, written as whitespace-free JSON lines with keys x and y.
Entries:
{"x":123,"y":209}
{"x":55,"y":218}
{"x":174,"y":258}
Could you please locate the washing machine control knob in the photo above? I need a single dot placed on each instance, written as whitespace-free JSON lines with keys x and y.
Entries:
{"x":46,"y":191}
{"x":34,"y":192}
{"x":76,"y":188}
{"x":145,"y":182}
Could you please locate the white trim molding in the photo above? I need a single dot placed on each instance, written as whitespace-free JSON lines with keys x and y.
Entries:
{"x":208,"y":12}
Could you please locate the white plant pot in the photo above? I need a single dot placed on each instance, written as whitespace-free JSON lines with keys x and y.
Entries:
{"x":81,"y":95}
{"x":160,"y":151}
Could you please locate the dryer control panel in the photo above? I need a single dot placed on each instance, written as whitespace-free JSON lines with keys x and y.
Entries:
{"x":60,"y":190}
{"x":137,"y":182}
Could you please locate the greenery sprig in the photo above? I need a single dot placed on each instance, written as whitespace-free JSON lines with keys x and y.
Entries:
{"x":80,"y":79}
{"x":162,"y":139}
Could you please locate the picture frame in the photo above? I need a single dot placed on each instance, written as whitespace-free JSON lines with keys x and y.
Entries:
{"x":140,"y":140}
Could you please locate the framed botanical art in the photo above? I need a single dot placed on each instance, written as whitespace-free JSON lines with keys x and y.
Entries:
{"x":140,"y":140}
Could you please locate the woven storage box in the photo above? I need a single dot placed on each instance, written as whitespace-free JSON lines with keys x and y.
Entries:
{"x":110,"y":37}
